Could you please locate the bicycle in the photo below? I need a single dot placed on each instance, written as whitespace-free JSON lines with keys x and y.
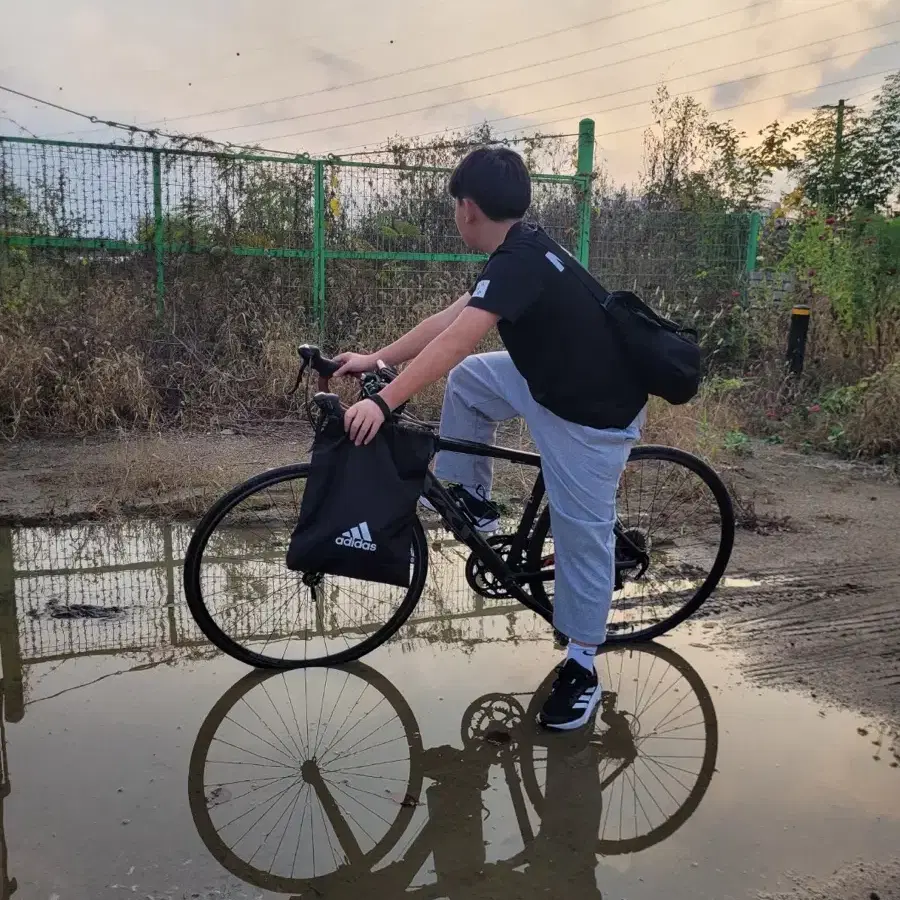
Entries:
{"x":321,"y":784}
{"x":665,"y":568}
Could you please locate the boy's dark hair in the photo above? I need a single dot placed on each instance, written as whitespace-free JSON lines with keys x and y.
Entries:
{"x":496,"y":179}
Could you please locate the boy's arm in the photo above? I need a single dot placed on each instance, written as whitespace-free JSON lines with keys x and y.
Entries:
{"x":450,"y":347}
{"x":410,"y":345}
{"x":442,"y":354}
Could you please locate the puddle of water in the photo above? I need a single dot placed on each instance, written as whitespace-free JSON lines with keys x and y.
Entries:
{"x":136,"y":761}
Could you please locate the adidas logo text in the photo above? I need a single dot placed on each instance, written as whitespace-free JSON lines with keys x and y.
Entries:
{"x":358,"y":538}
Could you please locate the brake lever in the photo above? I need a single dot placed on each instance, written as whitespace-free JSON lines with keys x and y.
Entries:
{"x":300,"y":372}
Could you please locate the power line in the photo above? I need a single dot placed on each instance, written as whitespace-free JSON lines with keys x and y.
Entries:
{"x":644,"y":125}
{"x":600,"y":96}
{"x":134,"y":129}
{"x":229,"y":146}
{"x":421,"y":68}
{"x":757,"y":100}
{"x":545,"y":62}
{"x":726,"y":84}
{"x":352,"y":150}
{"x":6,"y":118}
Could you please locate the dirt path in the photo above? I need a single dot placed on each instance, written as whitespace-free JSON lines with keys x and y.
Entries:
{"x":826,"y":615}
{"x":820,"y":538}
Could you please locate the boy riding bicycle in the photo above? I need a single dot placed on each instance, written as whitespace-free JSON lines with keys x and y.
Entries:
{"x":563,"y":371}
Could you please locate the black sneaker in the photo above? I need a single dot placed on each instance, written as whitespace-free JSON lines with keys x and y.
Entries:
{"x":573,"y":698}
{"x":485,"y":514}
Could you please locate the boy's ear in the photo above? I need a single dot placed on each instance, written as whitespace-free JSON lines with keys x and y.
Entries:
{"x":470,"y":210}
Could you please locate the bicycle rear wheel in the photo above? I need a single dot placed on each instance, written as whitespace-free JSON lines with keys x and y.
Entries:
{"x":251,"y":606}
{"x":673,"y":506}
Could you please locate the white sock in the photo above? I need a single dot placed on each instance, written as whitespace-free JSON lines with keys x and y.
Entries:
{"x":584,"y":656}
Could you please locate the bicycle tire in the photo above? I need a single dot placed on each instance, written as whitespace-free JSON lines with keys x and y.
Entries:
{"x":245,"y":870}
{"x":207,"y":623}
{"x":535,"y":554}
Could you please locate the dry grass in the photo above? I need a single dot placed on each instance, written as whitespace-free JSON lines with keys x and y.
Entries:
{"x":873,"y":424}
{"x":83,"y":354}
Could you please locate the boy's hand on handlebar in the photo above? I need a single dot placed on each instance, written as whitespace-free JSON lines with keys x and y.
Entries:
{"x":362,"y":421}
{"x":354,"y":364}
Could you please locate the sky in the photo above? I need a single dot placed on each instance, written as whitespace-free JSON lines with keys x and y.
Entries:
{"x":334,"y":78}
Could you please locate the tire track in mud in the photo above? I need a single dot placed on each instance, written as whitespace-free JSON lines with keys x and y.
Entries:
{"x":830,"y":628}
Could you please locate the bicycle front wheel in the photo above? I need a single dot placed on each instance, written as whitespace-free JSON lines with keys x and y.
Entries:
{"x":673,"y":507}
{"x":251,"y":606}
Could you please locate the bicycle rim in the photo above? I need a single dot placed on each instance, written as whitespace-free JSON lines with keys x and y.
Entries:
{"x":250,"y":605}
{"x":674,"y":506}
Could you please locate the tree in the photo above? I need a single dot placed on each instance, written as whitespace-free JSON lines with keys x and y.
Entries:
{"x":16,"y":214}
{"x":691,"y":162}
{"x":866,"y":172}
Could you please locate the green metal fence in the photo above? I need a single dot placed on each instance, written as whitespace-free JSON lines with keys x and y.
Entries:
{"x":145,"y":282}
{"x":322,"y":213}
{"x":162,"y":204}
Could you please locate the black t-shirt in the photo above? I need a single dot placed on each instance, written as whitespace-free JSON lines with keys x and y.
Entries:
{"x":556,"y":331}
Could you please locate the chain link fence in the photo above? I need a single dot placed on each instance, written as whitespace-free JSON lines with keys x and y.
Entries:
{"x":143,"y":285}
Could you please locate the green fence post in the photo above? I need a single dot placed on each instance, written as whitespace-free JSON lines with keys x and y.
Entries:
{"x":158,"y":234}
{"x":319,"y":247}
{"x":752,"y":243}
{"x":585,"y":182}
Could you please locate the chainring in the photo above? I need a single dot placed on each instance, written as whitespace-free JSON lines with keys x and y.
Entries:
{"x":480,"y":578}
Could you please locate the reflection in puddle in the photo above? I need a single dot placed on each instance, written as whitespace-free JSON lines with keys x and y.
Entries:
{"x":422,"y":772}
{"x":310,"y":782}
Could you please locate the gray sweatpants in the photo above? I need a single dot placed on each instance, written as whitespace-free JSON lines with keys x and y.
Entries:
{"x":581,"y":466}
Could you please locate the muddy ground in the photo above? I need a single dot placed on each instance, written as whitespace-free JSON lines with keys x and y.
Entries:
{"x":818,"y":534}
{"x":815,"y":607}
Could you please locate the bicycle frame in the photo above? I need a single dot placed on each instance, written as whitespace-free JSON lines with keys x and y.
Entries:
{"x":463,"y":528}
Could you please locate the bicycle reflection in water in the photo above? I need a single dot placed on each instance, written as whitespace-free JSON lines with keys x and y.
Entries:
{"x":312,"y":781}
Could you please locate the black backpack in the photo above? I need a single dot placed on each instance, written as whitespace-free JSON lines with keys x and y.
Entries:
{"x":665,"y":358}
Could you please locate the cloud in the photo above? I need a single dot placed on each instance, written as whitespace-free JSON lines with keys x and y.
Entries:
{"x":863,"y":72}
{"x":341,"y":67}
{"x":729,"y":94}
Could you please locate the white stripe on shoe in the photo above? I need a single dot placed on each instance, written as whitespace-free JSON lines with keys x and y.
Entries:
{"x":489,"y":527}
{"x":587,"y":703}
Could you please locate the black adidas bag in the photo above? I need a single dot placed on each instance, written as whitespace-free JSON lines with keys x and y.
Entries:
{"x":359,"y":505}
{"x":664,"y":357}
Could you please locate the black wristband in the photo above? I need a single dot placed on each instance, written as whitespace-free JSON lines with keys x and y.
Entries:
{"x":382,"y":405}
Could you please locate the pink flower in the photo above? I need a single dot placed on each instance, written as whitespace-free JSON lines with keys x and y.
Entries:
{"x":814,"y":408}
{"x":735,"y":293}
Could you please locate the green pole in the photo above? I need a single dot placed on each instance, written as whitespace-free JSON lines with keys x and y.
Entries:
{"x":158,"y":234}
{"x":752,"y":243}
{"x":585,"y":172}
{"x":319,"y":247}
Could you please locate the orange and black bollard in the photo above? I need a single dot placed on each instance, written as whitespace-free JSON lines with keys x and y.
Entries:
{"x":796,"y":349}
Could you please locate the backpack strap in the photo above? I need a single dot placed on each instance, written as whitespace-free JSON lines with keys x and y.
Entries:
{"x":605,"y":297}
{"x":573,"y":265}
